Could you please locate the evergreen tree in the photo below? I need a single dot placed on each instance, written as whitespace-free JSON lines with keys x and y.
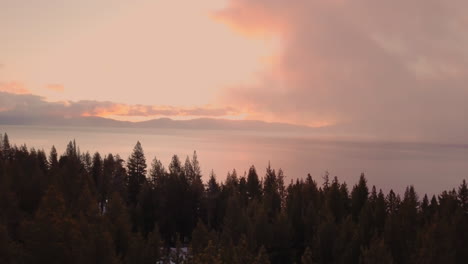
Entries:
{"x":117,"y":215}
{"x":271,"y":190}
{"x":69,"y":209}
{"x":376,"y":253}
{"x":463,"y":196}
{"x":153,"y":252}
{"x":1,"y":147}
{"x":157,"y":172}
{"x":393,"y":203}
{"x":232,"y":180}
{"x":380,"y":212}
{"x":188,"y":170}
{"x":200,"y":238}
{"x":53,"y":158}
{"x":359,"y":196}
{"x":136,"y":166}
{"x":209,"y":255}
{"x":212,"y":203}
{"x":119,"y":176}
{"x":196,"y":166}
{"x":72,"y":150}
{"x":254,"y":188}
{"x":52,"y":235}
{"x":175,"y":167}
{"x":6,"y":148}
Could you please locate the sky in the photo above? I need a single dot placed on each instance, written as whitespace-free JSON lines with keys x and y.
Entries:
{"x":387,"y":69}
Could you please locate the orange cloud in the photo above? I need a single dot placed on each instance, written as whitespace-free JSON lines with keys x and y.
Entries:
{"x":252,"y":21}
{"x":125,"y":111}
{"x":14,"y":87}
{"x":19,"y":102}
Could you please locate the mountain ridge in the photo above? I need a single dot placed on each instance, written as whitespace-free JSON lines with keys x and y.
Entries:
{"x":164,"y":122}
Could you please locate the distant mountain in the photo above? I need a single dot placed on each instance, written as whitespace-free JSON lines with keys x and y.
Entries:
{"x":211,"y":123}
{"x":61,"y":121}
{"x":167,"y":123}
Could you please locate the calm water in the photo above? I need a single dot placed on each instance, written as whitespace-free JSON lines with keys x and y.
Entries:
{"x":430,"y":167}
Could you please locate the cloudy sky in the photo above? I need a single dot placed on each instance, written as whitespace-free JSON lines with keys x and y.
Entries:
{"x":382,"y":68}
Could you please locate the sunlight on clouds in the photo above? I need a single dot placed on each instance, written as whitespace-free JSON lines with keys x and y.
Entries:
{"x":168,"y":52}
{"x":14,"y":87}
{"x":155,"y":52}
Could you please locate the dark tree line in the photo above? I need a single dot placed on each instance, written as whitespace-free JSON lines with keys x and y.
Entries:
{"x":78,"y":208}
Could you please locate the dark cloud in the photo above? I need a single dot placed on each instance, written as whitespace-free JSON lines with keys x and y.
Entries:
{"x":381,"y":68}
{"x":28,"y":105}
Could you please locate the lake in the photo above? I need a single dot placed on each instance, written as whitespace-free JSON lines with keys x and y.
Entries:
{"x":430,"y":167}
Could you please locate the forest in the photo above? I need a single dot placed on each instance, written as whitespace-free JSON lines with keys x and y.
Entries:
{"x":79,"y":207}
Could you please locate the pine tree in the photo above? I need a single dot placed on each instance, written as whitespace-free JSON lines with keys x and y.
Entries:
{"x":376,"y":253}
{"x":119,"y":178}
{"x":254,"y":188}
{"x":232,"y":180}
{"x":212,"y":201}
{"x":380,"y":212}
{"x":393,"y":203}
{"x":52,"y":236}
{"x":196,"y":166}
{"x":117,"y":215}
{"x":200,"y":238}
{"x":53,"y":158}
{"x":425,"y":212}
{"x":281,"y":188}
{"x":209,"y":255}
{"x":359,"y":196}
{"x":6,"y":148}
{"x":157,"y":172}
{"x":271,"y":191}
{"x":153,"y":252}
{"x":175,"y":167}
{"x":97,"y":169}
{"x":87,"y":162}
{"x":326,"y":181}
{"x":136,"y":166}
{"x":188,"y":170}
{"x":71,"y":150}
{"x":463,"y":196}
{"x":1,"y":147}
{"x":213,"y":186}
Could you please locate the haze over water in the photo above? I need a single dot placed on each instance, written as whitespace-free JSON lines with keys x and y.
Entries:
{"x":388,"y":165}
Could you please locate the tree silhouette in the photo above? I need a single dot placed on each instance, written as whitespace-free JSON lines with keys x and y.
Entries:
{"x":136,"y":166}
{"x":254,"y":188}
{"x":78,"y":208}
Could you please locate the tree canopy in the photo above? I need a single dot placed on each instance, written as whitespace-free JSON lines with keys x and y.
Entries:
{"x":82,"y":208}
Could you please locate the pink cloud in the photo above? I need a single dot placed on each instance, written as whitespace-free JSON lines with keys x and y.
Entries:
{"x":391,"y":68}
{"x":14,"y":87}
{"x":33,"y":105}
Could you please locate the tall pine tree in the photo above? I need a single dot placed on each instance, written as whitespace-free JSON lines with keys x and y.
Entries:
{"x":136,"y":166}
